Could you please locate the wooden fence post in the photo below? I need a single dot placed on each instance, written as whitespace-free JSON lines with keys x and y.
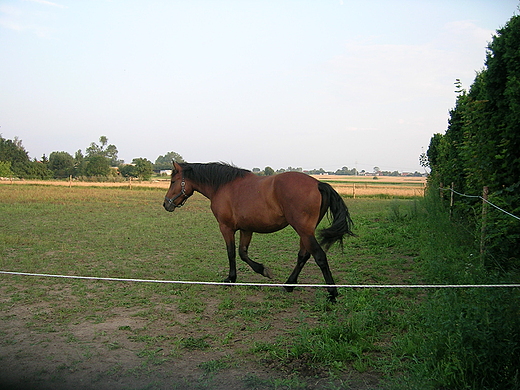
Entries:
{"x":354,"y":190}
{"x":485,"y":193}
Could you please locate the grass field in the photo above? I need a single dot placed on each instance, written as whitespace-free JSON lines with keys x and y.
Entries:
{"x":62,"y":333}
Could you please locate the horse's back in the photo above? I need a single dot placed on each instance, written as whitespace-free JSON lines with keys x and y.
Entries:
{"x":299,"y":197}
{"x":295,"y":184}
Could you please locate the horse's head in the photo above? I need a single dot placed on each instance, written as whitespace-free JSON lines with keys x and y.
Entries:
{"x":179,"y":190}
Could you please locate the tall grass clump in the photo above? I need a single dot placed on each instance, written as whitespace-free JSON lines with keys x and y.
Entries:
{"x":465,"y":338}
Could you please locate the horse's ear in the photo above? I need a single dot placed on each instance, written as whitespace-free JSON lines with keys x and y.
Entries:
{"x":176,"y":167}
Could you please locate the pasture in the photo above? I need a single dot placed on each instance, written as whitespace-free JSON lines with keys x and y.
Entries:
{"x":64,"y":333}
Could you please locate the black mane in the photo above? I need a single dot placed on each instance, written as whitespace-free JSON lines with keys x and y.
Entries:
{"x":214,"y":174}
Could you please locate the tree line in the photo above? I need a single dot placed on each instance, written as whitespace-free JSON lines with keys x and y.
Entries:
{"x":100,"y":161}
{"x":481,"y":147}
{"x":344,"y":171}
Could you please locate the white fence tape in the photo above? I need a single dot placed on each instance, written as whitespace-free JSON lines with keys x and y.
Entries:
{"x":264,"y":284}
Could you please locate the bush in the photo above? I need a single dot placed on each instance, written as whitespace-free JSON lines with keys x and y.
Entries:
{"x":465,"y":338}
{"x":472,"y":339}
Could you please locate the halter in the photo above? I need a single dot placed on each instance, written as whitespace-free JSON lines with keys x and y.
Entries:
{"x":182,"y":193}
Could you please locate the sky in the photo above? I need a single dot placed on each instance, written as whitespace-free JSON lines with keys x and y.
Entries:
{"x":309,"y":83}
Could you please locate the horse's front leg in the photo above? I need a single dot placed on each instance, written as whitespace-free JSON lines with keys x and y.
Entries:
{"x":229,"y":238}
{"x":245,"y":240}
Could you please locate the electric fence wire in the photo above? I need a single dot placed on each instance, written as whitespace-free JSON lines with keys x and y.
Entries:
{"x":480,"y":197}
{"x":265,"y":284}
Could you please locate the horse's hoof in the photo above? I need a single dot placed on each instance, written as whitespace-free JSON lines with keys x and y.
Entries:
{"x":289,"y":289}
{"x":268,"y":273}
{"x":332,"y":296}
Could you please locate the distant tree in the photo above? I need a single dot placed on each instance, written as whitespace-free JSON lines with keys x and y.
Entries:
{"x":165,"y":162}
{"x":143,"y":168}
{"x":97,"y":166}
{"x":21,"y":166}
{"x":320,"y":171}
{"x":80,"y":164}
{"x":103,"y":150}
{"x":346,"y":171}
{"x":5,"y":169}
{"x":268,"y":171}
{"x":389,"y":173}
{"x":37,"y":170}
{"x":128,"y":170}
{"x":61,"y":164}
{"x":14,"y":152}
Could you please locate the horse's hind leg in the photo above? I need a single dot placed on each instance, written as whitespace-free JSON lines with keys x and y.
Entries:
{"x":320,"y":257}
{"x":245,"y":240}
{"x":303,"y":256}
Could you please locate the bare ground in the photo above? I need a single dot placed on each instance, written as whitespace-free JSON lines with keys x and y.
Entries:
{"x":115,"y":353}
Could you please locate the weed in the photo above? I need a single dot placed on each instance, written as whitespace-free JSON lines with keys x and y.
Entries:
{"x":192,"y":343}
{"x":216,"y":365}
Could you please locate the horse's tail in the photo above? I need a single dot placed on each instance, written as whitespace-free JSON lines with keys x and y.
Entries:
{"x":341,"y":222}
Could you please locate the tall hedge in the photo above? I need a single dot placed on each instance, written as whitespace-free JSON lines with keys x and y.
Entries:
{"x":481,"y":147}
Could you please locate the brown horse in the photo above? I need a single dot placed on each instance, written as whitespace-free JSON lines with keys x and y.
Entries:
{"x":241,"y":200}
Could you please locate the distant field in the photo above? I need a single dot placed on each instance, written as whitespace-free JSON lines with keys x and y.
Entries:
{"x":350,"y":186}
{"x":362,"y":186}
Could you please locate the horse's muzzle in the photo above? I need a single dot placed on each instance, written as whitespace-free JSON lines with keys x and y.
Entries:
{"x":169,"y":206}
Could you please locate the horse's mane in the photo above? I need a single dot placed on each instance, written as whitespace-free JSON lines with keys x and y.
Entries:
{"x":215,"y":174}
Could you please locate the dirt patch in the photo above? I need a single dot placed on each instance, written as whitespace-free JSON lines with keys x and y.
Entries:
{"x":129,"y":351}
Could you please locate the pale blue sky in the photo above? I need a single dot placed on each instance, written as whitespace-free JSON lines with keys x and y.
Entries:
{"x":311,"y":84}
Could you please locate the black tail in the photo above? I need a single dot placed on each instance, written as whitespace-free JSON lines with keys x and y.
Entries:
{"x":341,"y":222}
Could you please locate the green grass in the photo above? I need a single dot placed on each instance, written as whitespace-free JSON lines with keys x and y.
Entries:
{"x":122,"y":233}
{"x":462,"y":338}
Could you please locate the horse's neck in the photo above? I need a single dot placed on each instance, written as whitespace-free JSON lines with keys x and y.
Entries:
{"x":205,"y":189}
